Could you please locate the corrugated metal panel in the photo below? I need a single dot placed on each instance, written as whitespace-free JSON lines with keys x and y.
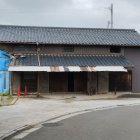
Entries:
{"x":83,"y":36}
{"x":73,"y":60}
{"x":84,"y":60}
{"x":28,"y":60}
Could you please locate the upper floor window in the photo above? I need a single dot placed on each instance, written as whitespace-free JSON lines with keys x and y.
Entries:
{"x":115,"y":49}
{"x":68,"y":49}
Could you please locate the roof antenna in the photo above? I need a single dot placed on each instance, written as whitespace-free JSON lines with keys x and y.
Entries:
{"x":111,"y":10}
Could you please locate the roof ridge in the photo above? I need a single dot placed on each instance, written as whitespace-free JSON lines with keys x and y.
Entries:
{"x":67,"y":28}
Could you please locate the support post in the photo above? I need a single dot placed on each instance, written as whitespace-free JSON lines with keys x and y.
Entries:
{"x":97,"y":86}
{"x":38,"y":94}
{"x":11,"y":84}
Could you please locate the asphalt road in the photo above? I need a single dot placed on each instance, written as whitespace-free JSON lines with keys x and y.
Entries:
{"x":121,"y":123}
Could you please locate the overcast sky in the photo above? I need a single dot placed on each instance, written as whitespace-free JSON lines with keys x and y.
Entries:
{"x":70,"y":13}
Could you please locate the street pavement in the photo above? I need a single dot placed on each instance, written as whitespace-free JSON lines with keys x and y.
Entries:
{"x":31,"y":111}
{"x":110,"y":124}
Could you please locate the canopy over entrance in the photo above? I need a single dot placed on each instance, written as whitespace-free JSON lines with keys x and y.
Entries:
{"x":74,"y":63}
{"x":68,"y":69}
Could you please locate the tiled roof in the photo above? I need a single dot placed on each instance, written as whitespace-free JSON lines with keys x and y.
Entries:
{"x":81,"y":36}
{"x":73,"y":60}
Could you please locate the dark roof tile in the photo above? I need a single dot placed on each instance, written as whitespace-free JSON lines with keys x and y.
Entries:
{"x":81,"y":36}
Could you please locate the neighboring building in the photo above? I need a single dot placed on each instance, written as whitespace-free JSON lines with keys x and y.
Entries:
{"x":4,"y":74}
{"x":48,"y":59}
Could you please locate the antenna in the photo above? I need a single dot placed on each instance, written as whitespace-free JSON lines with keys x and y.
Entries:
{"x":108,"y":24}
{"x":111,"y":9}
{"x":111,"y":20}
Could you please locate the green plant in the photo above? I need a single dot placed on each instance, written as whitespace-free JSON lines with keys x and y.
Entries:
{"x":6,"y":93}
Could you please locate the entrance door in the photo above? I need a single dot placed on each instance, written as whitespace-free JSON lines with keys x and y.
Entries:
{"x":71,"y":82}
{"x":29,"y":79}
{"x":58,"y":82}
{"x":80,"y":81}
{"x":122,"y":81}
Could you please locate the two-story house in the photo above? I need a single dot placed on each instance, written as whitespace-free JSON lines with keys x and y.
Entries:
{"x":88,"y":60}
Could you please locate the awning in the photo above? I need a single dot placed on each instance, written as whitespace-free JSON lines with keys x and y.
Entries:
{"x":68,"y":69}
{"x":110,"y":68}
{"x":61,"y":63}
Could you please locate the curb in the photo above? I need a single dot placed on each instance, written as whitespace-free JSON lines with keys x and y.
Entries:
{"x":12,"y":103}
{"x":15,"y":131}
{"x":67,"y":115}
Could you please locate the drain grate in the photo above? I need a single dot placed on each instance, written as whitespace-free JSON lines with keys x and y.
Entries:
{"x":52,"y":124}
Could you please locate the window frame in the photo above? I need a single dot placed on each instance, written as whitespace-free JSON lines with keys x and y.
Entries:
{"x":68,"y":49}
{"x":115,"y":49}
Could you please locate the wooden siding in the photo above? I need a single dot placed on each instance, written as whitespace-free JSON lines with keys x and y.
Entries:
{"x":6,"y":47}
{"x":77,"y":50}
{"x":29,"y":79}
{"x":120,"y":81}
{"x":58,"y":82}
{"x":80,"y":81}
{"x":61,"y":82}
{"x":57,"y":49}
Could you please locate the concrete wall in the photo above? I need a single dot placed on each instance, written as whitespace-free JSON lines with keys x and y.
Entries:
{"x":43,"y":82}
{"x":133,"y":55}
